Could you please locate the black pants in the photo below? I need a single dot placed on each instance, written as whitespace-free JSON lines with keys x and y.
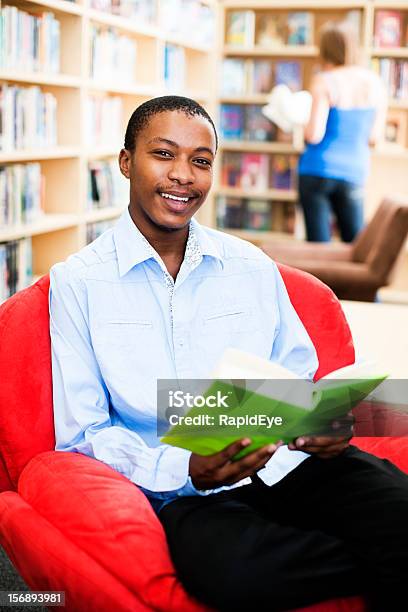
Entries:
{"x":330,"y":528}
{"x":321,"y":197}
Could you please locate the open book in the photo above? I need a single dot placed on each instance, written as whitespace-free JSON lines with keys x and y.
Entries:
{"x":248,"y":396}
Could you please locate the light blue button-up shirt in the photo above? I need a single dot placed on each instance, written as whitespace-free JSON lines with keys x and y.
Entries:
{"x":118,"y":322}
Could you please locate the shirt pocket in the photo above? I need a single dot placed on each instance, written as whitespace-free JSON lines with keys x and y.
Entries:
{"x":229,"y":319}
{"x":125,"y":332}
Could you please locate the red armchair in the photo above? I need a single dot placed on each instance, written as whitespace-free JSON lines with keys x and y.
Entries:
{"x":71,"y":523}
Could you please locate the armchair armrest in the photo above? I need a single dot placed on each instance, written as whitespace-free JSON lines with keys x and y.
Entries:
{"x":287,"y":252}
{"x":111,"y":520}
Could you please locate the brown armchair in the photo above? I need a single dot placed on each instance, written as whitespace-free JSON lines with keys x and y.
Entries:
{"x":357,"y":270}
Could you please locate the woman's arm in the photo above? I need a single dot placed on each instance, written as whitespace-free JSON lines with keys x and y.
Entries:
{"x":316,"y":127}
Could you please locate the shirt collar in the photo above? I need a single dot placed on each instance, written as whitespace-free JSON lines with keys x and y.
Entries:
{"x":132,"y":248}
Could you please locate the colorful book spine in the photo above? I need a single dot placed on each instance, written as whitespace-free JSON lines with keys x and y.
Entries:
{"x":232,"y":121}
{"x":21,"y":108}
{"x":240,"y":28}
{"x":15,"y":267}
{"x":300,"y":28}
{"x":388,"y":28}
{"x":289,"y":73}
{"x":255,"y":172}
{"x":29,"y":42}
{"x":21,"y":194}
{"x":106,"y":185}
{"x":283,"y":171}
{"x":94,"y":230}
{"x":259,"y":215}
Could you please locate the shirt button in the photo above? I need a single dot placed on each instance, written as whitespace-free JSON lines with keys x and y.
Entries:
{"x":181,"y":343}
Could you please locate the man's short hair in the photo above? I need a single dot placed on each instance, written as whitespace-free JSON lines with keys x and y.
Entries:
{"x":141,"y":116}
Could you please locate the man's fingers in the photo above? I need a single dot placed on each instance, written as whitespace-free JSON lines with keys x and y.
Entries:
{"x":249,"y":464}
{"x":227,"y":453}
{"x":318,"y":441}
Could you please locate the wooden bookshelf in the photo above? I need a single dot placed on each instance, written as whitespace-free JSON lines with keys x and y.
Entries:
{"x":388,"y":167}
{"x":61,"y":230}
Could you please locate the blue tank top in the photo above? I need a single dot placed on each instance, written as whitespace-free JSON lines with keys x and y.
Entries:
{"x":344,"y":151}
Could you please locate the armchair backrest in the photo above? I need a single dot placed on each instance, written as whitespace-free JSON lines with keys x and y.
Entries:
{"x":381,"y":241}
{"x":26,"y":415}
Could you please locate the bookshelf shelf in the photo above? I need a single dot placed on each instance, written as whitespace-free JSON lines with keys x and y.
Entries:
{"x":103,"y":214}
{"x":293,"y":4}
{"x":48,"y":223}
{"x":398,"y":52}
{"x":38,"y":154}
{"x":78,"y":104}
{"x":258,"y":147}
{"x":279,"y":51}
{"x":287,"y":195}
{"x":247,"y":99}
{"x":59,"y":6}
{"x":122,"y":23}
{"x":38,"y":78}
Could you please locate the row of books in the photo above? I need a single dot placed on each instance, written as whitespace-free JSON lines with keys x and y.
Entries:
{"x":196,"y":25}
{"x":113,"y":56}
{"x":247,"y":122}
{"x":28,"y":118}
{"x":29,"y":42}
{"x":106,"y":185}
{"x":256,"y":214}
{"x":103,"y":121}
{"x":21,"y":193}
{"x":241,"y":77}
{"x":15,"y":267}
{"x":271,"y":29}
{"x":258,"y":171}
{"x":391,"y":28}
{"x":244,"y":28}
{"x":94,"y":230}
{"x":144,"y":11}
{"x":394,"y":74}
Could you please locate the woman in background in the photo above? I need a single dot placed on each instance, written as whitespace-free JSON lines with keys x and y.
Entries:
{"x":347,"y":116}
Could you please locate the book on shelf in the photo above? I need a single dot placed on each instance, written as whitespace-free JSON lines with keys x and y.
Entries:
{"x":174,"y":70}
{"x":258,"y":215}
{"x":388,"y":28}
{"x":29,"y":42}
{"x":255,"y":172}
{"x":20,"y":110}
{"x":240,"y":28}
{"x":144,"y":11}
{"x":300,"y":28}
{"x":234,"y":77}
{"x":21,"y":194}
{"x":257,"y":126}
{"x":230,"y":212}
{"x":106,"y":185}
{"x":394,"y":74}
{"x":283,"y":169}
{"x":263,"y":401}
{"x":396,"y":128}
{"x":261,"y":76}
{"x":232,"y":121}
{"x":231,"y":169}
{"x":270,"y":30}
{"x":103,"y":121}
{"x":15,"y":266}
{"x":113,"y":56}
{"x":96,"y":229}
{"x":289,"y":73}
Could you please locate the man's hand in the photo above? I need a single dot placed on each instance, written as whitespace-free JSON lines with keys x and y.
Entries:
{"x":325,"y":447}
{"x":216,"y":470}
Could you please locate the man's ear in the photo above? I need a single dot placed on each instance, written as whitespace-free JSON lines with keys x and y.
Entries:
{"x":124,"y":162}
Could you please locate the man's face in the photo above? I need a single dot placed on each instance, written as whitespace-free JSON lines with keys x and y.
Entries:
{"x":170,"y":170}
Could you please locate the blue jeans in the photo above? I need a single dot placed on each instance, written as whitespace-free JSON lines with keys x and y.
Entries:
{"x":320,"y":197}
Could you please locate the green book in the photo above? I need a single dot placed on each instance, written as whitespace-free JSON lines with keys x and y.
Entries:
{"x":248,"y":396}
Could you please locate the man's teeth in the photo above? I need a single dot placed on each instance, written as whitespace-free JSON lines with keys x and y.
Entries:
{"x":173,"y":197}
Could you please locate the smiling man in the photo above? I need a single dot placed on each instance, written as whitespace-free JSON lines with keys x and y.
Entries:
{"x":160,"y":296}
